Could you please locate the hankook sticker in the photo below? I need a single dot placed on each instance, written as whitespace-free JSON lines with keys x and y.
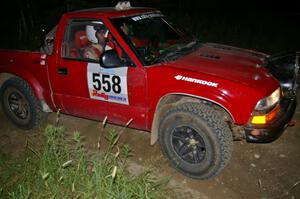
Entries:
{"x":197,"y":81}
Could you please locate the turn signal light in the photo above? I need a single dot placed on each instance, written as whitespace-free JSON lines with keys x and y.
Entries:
{"x":259,"y":119}
{"x":264,"y":119}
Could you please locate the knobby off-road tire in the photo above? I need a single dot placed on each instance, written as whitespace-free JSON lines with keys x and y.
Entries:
{"x":196,"y":140}
{"x":20,"y":104}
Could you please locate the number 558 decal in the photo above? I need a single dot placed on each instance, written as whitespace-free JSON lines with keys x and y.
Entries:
{"x":107,"y":84}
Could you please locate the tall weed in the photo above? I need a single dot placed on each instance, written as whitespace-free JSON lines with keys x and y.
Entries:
{"x":62,"y":168}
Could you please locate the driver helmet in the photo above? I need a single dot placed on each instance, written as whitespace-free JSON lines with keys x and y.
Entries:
{"x":93,"y":28}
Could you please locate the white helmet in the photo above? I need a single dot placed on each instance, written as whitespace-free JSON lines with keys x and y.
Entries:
{"x":91,"y":30}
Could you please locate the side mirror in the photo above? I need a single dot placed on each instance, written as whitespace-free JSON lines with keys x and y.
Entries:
{"x":110,"y":59}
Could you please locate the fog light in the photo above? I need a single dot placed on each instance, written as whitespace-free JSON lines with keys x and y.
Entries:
{"x":255,"y":132}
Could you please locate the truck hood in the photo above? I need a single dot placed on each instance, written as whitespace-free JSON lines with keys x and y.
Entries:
{"x":227,"y":62}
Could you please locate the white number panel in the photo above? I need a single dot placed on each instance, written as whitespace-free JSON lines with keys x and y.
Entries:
{"x":107,"y":84}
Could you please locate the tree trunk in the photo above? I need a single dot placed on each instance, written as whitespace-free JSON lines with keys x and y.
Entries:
{"x":23,"y":30}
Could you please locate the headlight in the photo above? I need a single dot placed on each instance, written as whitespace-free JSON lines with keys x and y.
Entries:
{"x":269,"y":101}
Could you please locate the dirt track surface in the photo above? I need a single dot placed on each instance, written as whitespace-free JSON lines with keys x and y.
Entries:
{"x":255,"y":170}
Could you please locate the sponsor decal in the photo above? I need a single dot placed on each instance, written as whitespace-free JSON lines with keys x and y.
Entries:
{"x":146,"y":16}
{"x":99,"y":94}
{"x":106,"y":97}
{"x":197,"y":81}
{"x":117,"y":98}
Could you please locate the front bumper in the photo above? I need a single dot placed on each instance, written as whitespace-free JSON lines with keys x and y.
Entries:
{"x":270,"y":132}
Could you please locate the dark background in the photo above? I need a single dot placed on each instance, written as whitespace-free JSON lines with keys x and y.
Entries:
{"x":266,"y":26}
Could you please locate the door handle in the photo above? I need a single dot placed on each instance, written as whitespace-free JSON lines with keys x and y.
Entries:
{"x":62,"y":71}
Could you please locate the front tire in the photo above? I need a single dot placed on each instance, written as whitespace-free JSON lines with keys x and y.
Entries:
{"x":196,"y":140}
{"x":20,"y":103}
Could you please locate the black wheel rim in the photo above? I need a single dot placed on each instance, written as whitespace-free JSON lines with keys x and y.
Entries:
{"x":188,"y":144}
{"x":17,"y":104}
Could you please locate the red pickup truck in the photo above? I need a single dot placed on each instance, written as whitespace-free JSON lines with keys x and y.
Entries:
{"x":130,"y":63}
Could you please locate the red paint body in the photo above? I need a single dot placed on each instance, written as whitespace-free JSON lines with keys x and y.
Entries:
{"x":237,"y":91}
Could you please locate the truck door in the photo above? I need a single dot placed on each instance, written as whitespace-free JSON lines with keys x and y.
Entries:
{"x":126,"y":96}
{"x":75,"y":79}
{"x":131,"y":106}
{"x":84,"y":88}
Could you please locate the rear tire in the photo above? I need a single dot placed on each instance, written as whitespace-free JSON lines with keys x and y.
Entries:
{"x":196,"y":140}
{"x":20,"y":104}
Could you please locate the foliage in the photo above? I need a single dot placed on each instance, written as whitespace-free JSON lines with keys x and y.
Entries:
{"x":62,"y":168}
{"x":270,"y":34}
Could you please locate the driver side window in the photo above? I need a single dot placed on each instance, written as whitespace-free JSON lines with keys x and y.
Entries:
{"x":85,"y":40}
{"x":88,"y":40}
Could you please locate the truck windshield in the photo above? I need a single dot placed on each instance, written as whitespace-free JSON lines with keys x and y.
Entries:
{"x":153,"y":38}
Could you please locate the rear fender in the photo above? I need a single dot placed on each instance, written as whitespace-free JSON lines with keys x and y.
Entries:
{"x":29,"y":78}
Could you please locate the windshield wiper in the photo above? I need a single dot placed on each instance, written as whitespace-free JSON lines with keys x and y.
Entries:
{"x":182,"y":50}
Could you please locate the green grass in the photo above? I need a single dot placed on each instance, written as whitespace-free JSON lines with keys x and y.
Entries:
{"x":62,"y":168}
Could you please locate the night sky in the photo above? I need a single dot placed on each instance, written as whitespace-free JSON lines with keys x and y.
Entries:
{"x":267,"y":26}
